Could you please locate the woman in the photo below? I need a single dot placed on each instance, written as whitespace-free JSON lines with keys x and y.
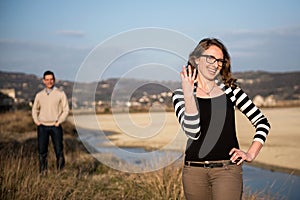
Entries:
{"x":205,"y":110}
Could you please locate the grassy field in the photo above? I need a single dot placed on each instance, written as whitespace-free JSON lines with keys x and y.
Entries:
{"x":83,"y":177}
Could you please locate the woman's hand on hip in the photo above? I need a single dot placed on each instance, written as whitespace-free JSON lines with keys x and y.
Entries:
{"x":240,"y":156}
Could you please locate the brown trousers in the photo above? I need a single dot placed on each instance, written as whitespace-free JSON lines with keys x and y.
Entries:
{"x":220,"y":183}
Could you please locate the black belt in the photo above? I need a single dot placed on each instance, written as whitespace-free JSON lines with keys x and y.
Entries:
{"x":208,"y":164}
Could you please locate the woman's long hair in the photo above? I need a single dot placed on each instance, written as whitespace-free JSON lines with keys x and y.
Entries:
{"x":225,"y":72}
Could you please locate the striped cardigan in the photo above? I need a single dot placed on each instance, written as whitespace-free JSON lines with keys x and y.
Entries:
{"x":190,"y":123}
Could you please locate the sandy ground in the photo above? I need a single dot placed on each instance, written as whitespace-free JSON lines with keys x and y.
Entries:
{"x":161,"y":131}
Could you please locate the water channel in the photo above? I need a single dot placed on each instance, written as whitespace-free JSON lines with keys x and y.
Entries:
{"x":258,"y":180}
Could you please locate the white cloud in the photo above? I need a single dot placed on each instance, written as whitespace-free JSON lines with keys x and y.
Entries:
{"x":282,"y":31}
{"x":71,"y":33}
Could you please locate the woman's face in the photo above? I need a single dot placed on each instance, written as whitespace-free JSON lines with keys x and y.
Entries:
{"x":209,"y":70}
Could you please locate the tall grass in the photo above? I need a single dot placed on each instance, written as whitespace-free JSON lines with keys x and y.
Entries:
{"x":83,"y":177}
{"x":13,"y":124}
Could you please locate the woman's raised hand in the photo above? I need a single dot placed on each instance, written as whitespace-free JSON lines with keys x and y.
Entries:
{"x":187,"y":80}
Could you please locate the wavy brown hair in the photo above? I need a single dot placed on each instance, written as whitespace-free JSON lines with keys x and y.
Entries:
{"x":225,"y":72}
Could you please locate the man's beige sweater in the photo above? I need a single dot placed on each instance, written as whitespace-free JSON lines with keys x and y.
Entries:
{"x":50,"y":108}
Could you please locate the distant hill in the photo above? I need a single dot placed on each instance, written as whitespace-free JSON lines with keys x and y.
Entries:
{"x":281,"y":86}
{"x":284,"y":86}
{"x":27,"y":85}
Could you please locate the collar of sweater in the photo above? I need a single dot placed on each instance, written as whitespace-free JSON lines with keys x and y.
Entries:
{"x":48,"y":91}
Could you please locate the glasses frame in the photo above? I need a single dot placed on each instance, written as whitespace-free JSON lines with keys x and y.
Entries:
{"x":211,"y":60}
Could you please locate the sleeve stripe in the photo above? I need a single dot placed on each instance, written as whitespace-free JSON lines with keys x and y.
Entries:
{"x":178,"y":105}
{"x":259,"y":140}
{"x":261,"y":133}
{"x":178,"y":96}
{"x":263,"y":126}
{"x":191,"y":114}
{"x":190,"y":117}
{"x":228,"y":90}
{"x":253,"y":110}
{"x":191,"y":128}
{"x":247,"y":104}
{"x":255,"y":116}
{"x":222,"y":85}
{"x":258,"y":121}
{"x":250,"y":107}
{"x":257,"y":112}
{"x":191,"y":131}
{"x":181,"y":116}
{"x":190,"y":123}
{"x":193,"y":138}
{"x":243,"y":96}
{"x":236,"y":91}
{"x":260,"y":137}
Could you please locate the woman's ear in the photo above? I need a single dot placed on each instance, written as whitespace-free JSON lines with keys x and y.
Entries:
{"x":197,"y":60}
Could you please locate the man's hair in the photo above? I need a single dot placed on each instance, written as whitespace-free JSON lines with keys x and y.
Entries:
{"x":48,"y":73}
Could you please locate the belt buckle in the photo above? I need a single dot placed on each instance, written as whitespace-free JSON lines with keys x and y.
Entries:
{"x":207,"y":165}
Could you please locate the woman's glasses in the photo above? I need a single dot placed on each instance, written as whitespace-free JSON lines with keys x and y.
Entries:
{"x":211,"y":60}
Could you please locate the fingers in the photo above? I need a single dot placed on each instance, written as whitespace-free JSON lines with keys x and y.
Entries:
{"x":184,"y":71}
{"x":232,"y":151}
{"x":237,"y":156}
{"x":194,"y":73}
{"x":191,"y":73}
{"x":187,"y":72}
{"x":240,"y":162}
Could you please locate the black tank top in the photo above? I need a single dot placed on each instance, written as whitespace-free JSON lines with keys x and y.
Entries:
{"x":218,"y":134}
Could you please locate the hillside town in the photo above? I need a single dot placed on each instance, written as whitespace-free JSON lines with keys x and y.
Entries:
{"x":18,"y":90}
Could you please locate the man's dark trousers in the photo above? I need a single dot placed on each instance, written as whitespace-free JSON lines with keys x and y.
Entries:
{"x":56,"y":134}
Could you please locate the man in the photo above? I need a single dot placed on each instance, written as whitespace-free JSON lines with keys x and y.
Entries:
{"x":50,"y":109}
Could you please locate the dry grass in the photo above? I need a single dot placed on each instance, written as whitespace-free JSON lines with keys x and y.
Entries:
{"x":12,"y":124}
{"x":83,"y":177}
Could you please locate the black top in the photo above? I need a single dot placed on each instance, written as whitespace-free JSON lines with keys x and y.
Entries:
{"x":218,"y":134}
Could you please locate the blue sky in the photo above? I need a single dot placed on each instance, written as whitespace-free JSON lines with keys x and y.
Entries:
{"x":59,"y":35}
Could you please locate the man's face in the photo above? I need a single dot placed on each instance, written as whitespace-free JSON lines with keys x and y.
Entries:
{"x":49,"y":81}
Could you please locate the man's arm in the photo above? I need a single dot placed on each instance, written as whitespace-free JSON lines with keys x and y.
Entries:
{"x":65,"y":109}
{"x":35,"y":111}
